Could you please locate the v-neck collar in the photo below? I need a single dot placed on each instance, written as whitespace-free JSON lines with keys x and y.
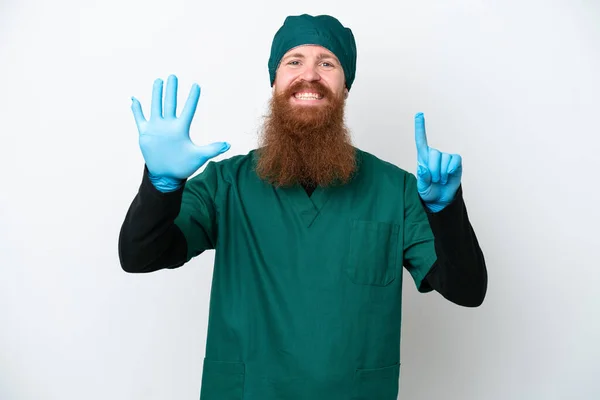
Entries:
{"x":307,"y":207}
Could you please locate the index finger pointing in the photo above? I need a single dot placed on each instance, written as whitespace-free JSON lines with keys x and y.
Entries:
{"x":421,"y":139}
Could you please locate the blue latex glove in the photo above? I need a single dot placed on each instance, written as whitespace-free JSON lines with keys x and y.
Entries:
{"x":170,"y":155}
{"x":438,"y":174}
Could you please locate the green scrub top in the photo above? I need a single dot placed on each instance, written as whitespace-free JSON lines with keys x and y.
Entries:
{"x":307,"y":291}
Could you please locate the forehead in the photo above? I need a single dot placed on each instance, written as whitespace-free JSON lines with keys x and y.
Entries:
{"x":309,"y":50}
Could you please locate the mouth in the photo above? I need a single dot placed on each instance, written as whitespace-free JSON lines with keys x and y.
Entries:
{"x":308,"y":96}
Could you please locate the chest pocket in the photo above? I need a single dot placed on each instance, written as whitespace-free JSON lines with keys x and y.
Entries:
{"x":373,"y":252}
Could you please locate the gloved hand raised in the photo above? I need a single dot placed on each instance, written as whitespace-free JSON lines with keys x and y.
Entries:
{"x":170,"y":155}
{"x":438,"y":174}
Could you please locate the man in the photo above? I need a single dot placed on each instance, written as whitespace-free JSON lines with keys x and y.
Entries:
{"x":311,"y":234}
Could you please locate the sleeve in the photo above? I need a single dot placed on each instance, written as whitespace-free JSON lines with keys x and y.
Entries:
{"x":165,"y":230}
{"x":418,"y":244}
{"x":197,"y":219}
{"x":460,"y":273}
{"x":148,"y":239}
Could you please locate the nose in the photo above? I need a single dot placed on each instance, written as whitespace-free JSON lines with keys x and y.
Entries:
{"x":310,"y":74}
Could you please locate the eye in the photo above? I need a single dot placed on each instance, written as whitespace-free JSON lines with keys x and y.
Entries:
{"x":327,"y":64}
{"x":293,"y":62}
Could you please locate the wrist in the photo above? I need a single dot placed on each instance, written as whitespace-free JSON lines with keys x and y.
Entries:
{"x":435,"y":207}
{"x":165,"y":184}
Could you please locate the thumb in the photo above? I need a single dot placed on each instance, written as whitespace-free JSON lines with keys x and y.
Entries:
{"x":423,"y":178}
{"x":213,"y":149}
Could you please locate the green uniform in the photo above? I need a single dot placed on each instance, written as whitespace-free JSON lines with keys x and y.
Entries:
{"x":307,"y":291}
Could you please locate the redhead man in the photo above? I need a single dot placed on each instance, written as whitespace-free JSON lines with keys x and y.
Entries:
{"x":311,"y":234}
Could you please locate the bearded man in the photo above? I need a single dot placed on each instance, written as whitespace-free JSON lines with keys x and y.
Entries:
{"x":311,"y":233}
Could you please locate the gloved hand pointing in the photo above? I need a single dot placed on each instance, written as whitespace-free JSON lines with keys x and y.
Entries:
{"x":438,"y":174}
{"x":170,"y":155}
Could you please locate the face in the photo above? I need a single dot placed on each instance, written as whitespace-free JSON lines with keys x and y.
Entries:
{"x":310,"y":75}
{"x":304,"y":138}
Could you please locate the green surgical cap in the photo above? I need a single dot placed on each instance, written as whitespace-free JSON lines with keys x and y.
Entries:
{"x":321,"y":30}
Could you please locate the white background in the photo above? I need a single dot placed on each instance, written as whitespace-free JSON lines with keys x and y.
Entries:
{"x":512,"y":86}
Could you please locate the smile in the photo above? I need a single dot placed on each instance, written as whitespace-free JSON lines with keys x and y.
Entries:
{"x":308,"y":96}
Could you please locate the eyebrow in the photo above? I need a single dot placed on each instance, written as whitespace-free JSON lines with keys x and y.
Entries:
{"x":320,"y":57}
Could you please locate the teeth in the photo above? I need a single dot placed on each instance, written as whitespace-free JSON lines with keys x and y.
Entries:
{"x":308,"y":96}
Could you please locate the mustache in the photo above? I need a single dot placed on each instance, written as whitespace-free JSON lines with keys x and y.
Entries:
{"x":315,"y":86}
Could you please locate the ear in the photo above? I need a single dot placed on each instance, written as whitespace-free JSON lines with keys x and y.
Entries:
{"x":346,"y":93}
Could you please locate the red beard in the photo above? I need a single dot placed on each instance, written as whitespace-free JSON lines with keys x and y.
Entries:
{"x":306,"y":144}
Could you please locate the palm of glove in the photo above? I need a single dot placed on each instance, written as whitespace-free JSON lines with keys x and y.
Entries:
{"x":170,"y":155}
{"x":438,"y":174}
{"x":168,"y":149}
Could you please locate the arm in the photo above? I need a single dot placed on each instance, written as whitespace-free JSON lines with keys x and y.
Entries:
{"x":169,"y":220}
{"x":167,"y":229}
{"x":459,"y":273}
{"x":149,"y":240}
